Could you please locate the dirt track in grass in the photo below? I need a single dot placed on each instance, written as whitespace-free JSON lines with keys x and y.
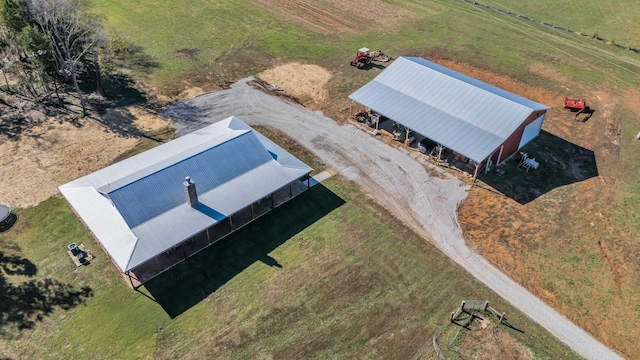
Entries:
{"x":336,"y":16}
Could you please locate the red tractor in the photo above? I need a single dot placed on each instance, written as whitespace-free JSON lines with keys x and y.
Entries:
{"x":363,"y":57}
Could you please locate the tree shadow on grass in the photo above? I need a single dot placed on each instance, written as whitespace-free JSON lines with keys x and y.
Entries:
{"x":118,"y":88}
{"x":24,"y":304}
{"x":116,"y":91}
{"x":121,"y":121}
{"x":191,"y":281}
{"x":16,"y":265}
{"x":560,"y":163}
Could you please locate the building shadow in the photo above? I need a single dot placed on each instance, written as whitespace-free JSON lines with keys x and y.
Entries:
{"x":191,"y":281}
{"x":560,"y":163}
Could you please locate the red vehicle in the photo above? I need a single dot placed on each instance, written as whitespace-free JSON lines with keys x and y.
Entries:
{"x":361,"y":115}
{"x":363,"y":57}
{"x":575,"y":104}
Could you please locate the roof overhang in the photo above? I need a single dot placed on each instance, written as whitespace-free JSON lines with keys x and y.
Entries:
{"x":131,"y":246}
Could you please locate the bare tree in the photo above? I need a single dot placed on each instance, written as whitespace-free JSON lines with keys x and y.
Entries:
{"x":71,"y":32}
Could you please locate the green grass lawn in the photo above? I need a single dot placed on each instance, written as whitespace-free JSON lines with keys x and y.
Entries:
{"x":230,"y":36}
{"x":330,"y":274}
{"x":235,"y":39}
{"x":612,"y":20}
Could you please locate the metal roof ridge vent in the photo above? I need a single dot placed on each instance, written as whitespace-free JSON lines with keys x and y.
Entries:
{"x":190,"y":191}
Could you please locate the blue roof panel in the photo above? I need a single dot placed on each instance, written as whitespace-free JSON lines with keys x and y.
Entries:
{"x":156,"y":193}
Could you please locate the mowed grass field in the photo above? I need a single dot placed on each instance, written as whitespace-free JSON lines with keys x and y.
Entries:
{"x":610,"y":20}
{"x":328,"y":275}
{"x":237,"y":38}
{"x":350,"y":285}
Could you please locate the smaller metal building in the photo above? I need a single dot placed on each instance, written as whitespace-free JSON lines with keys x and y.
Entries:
{"x":466,"y":115}
{"x":153,"y":210}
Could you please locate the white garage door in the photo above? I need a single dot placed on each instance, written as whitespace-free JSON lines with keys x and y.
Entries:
{"x":531,"y":131}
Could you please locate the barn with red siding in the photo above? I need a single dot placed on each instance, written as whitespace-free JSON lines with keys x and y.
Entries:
{"x":481,"y":122}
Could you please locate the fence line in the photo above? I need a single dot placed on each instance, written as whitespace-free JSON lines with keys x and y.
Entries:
{"x":551,"y":26}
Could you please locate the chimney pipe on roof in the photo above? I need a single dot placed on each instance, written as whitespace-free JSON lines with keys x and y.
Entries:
{"x":190,"y":191}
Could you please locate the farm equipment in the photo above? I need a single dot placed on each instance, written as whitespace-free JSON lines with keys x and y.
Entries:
{"x":362,"y":58}
{"x":575,"y":104}
{"x":366,"y":116}
{"x":399,"y":132}
{"x":379,"y":56}
{"x":361,"y":115}
{"x":79,"y":254}
{"x":365,"y":57}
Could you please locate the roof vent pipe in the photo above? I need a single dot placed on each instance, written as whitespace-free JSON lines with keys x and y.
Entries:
{"x":190,"y":191}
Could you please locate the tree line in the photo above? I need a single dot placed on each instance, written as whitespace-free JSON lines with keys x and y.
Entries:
{"x":46,"y":45}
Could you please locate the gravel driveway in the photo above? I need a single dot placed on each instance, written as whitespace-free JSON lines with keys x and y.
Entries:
{"x":395,"y":177}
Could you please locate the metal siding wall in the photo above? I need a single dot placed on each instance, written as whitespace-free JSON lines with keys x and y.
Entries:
{"x":510,"y":147}
{"x":531,"y":131}
{"x":512,"y":143}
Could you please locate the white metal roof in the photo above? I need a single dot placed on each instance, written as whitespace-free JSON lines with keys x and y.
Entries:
{"x":462,"y":113}
{"x":137,"y":208}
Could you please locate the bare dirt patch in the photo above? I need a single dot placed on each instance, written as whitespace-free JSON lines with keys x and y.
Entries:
{"x":489,"y":341}
{"x":563,"y":246}
{"x":336,"y":16}
{"x":550,"y":73}
{"x":148,"y":121}
{"x":189,"y":93}
{"x":158,"y":98}
{"x":186,"y":53}
{"x":481,"y":339}
{"x":632,"y":105}
{"x":59,"y":150}
{"x":306,"y":82}
{"x":51,"y":154}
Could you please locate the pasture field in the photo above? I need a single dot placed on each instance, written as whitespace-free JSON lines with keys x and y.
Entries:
{"x":611,"y":20}
{"x":229,"y":39}
{"x":573,"y":242}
